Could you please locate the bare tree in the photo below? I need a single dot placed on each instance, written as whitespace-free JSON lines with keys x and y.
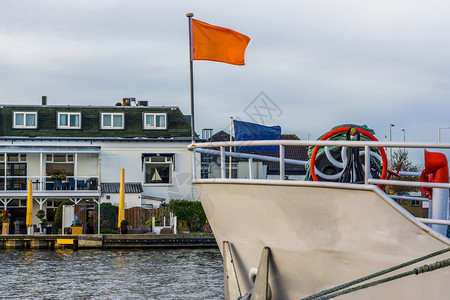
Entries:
{"x":400,"y":157}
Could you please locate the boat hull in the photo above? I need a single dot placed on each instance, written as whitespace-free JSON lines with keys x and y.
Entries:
{"x":321,"y":237}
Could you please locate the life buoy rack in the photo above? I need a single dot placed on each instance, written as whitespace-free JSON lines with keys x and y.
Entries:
{"x":341,"y":130}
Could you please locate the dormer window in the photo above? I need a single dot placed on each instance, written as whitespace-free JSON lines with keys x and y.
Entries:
{"x":112,"y":120}
{"x":25,"y":120}
{"x":155,"y":121}
{"x":69,"y":120}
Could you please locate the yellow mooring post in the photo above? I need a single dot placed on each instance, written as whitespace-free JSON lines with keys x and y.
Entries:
{"x":29,"y":219}
{"x":121,"y":198}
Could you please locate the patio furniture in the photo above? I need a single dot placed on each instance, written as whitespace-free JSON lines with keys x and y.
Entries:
{"x":77,"y":229}
{"x":92,"y":183}
{"x":132,"y":230}
{"x":166,"y":230}
{"x":49,"y":186}
{"x":57,"y":184}
{"x":145,"y":229}
{"x":82,"y":185}
{"x":71,"y":184}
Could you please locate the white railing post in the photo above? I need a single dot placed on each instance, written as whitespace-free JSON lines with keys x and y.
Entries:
{"x":222,"y":162}
{"x":366,"y":164}
{"x":282,"y":171}
{"x":194,"y":167}
{"x":4,"y":168}
{"x":439,"y":209}
{"x":41,"y":171}
{"x":250,"y":168}
{"x":75,"y":173}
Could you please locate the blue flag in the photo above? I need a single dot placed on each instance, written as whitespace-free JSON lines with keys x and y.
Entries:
{"x":245,"y":131}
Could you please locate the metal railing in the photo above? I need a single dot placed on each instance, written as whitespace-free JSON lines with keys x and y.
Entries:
{"x":46,"y":183}
{"x":365,"y":146}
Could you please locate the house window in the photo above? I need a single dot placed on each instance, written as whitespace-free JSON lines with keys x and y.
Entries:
{"x":234,"y":170}
{"x":112,"y":120}
{"x":415,"y":203}
{"x":59,"y":158}
{"x":155,"y":121}
{"x":26,"y":120}
{"x":16,"y":157}
{"x":68,"y":120}
{"x":15,"y":170}
{"x":158,"y":169}
{"x":57,"y":163}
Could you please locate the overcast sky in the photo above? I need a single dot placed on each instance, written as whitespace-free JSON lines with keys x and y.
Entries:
{"x":315,"y":64}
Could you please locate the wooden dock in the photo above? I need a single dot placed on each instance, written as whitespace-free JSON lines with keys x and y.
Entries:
{"x":106,"y":241}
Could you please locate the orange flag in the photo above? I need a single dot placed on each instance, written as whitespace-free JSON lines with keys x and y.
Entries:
{"x":218,"y":43}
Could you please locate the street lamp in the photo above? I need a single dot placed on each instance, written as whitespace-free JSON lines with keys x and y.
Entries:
{"x":390,"y":140}
{"x":439,"y":134}
{"x":404,"y":139}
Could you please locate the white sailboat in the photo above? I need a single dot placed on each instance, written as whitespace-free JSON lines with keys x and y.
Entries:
{"x":156,"y":177}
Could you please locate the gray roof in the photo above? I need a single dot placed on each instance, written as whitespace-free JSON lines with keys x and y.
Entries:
{"x":114,"y":187}
{"x":152,"y":198}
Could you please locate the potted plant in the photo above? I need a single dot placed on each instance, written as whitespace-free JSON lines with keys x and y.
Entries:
{"x":124,"y":227}
{"x":60,"y":176}
{"x":5,"y":218}
{"x":41,"y":215}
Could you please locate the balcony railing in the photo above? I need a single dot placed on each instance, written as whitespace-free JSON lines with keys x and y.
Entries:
{"x":46,"y":183}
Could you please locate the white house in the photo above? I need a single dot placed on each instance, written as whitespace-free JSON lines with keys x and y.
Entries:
{"x":75,"y":153}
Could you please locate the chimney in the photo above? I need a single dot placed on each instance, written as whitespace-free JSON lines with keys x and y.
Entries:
{"x":129,"y":101}
{"x":207,"y":133}
{"x":44,"y":100}
{"x":126,"y":101}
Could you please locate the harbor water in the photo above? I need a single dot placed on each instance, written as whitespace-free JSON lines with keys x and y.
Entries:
{"x":112,"y":274}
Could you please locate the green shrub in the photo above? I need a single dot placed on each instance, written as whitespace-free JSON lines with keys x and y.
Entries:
{"x":190,"y":212}
{"x":157,"y":221}
{"x":108,"y":215}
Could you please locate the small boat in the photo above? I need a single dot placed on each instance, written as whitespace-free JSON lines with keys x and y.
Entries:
{"x":329,"y":237}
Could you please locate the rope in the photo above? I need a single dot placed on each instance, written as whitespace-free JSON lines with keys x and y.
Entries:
{"x":385,"y":271}
{"x":416,"y":271}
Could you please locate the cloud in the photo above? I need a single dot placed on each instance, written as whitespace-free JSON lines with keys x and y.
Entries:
{"x":323,"y":62}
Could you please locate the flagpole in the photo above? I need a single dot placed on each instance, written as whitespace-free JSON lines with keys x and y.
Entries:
{"x":191,"y":65}
{"x":231,"y":139}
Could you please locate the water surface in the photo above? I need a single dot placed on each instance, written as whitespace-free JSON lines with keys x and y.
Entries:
{"x":112,"y":274}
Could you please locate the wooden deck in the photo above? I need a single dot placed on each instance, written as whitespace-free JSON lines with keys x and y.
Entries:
{"x":103,"y":241}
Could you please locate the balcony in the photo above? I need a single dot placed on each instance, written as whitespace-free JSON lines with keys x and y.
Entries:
{"x":54,"y":171}
{"x":47,"y":184}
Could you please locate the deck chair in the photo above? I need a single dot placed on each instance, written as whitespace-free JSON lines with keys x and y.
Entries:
{"x":82,"y":185}
{"x":71,"y":184}
{"x":57,"y":185}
